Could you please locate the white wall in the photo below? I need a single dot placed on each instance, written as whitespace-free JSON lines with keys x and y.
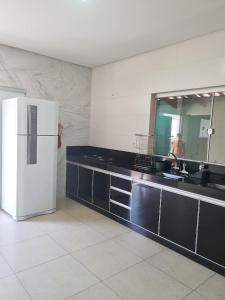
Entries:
{"x":44,"y":77}
{"x":121,"y":91}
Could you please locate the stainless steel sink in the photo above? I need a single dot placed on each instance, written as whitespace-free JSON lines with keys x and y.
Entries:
{"x":171,"y":176}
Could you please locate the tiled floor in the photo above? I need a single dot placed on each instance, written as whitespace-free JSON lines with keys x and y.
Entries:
{"x":78,"y":254}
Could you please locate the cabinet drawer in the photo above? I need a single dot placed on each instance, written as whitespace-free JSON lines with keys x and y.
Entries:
{"x":121,"y":183}
{"x":120,"y":197}
{"x":120,"y":211}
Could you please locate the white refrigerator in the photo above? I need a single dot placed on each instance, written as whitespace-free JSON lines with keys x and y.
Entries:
{"x":29,"y":156}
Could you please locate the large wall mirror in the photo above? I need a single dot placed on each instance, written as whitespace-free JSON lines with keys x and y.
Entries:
{"x":189,"y":125}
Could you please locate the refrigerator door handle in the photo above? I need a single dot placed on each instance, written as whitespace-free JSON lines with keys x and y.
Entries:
{"x":31,"y":119}
{"x":31,"y":149}
{"x":31,"y":134}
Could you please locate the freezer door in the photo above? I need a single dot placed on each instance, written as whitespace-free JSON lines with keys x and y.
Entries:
{"x":37,"y":182}
{"x":37,"y":115}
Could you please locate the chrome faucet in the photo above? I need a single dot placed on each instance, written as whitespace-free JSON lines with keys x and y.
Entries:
{"x":175,"y":166}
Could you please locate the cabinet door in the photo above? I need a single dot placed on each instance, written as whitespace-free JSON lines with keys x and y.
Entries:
{"x":71,"y":180}
{"x":211,"y":232}
{"x":178,"y":220}
{"x":101,"y":190}
{"x":145,"y":206}
{"x":85,"y":184}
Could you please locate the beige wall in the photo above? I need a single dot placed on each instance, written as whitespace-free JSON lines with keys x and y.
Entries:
{"x":121,"y":91}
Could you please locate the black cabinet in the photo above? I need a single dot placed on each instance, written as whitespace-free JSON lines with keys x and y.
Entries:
{"x":120,"y":211}
{"x":85,"y":184}
{"x":211,"y":232}
{"x":120,"y":197}
{"x":71,"y":180}
{"x":178,"y":221}
{"x":121,"y":183}
{"x":101,"y":190}
{"x":145,"y":206}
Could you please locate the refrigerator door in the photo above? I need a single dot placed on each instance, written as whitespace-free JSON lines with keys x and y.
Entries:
{"x":37,"y":116}
{"x":36,"y":188}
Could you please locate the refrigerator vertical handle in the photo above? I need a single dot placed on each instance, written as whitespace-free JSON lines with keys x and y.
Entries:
{"x":31,"y":134}
{"x":31,"y":119}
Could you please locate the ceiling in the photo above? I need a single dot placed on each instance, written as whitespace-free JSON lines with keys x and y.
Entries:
{"x":95,"y":32}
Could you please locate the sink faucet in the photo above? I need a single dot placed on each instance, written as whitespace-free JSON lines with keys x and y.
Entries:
{"x":175,"y":166}
{"x":172,"y":154}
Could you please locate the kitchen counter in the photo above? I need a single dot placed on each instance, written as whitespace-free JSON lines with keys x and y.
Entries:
{"x":188,"y":184}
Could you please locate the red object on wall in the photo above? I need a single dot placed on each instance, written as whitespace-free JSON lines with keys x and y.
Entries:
{"x":60,"y":130}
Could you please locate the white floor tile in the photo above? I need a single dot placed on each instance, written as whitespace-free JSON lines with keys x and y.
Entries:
{"x":11,"y":289}
{"x":106,"y":259}
{"x":181,"y":268}
{"x":77,"y":237}
{"x":18,"y":231}
{"x":145,"y":282}
{"x":97,"y":292}
{"x":140,"y":245}
{"x":213,"y":288}
{"x":5,"y":270}
{"x":56,"y":280}
{"x":31,"y":252}
{"x":108,"y":227}
{"x":194,"y":296}
{"x":82,"y":212}
{"x":5,"y":218}
{"x":54,"y":222}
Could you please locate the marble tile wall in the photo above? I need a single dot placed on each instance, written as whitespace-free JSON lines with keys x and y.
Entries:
{"x":48,"y":78}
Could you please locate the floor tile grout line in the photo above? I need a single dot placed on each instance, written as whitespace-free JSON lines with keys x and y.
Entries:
{"x":115,"y":292}
{"x":23,"y":286}
{"x":41,"y":264}
{"x":194,"y":291}
{"x":201,"y":284}
{"x":176,"y":278}
{"x":95,"y":275}
{"x":73,"y":251}
{"x":121,"y":271}
{"x":14,"y":274}
{"x":101,"y":281}
{"x":108,"y":240}
{"x":60,"y":246}
{"x":21,"y":241}
{"x":172,"y":277}
{"x":110,"y":275}
{"x":85,"y":289}
{"x":108,"y":278}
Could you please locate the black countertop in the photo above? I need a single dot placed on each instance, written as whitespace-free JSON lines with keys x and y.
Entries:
{"x":126,"y":167}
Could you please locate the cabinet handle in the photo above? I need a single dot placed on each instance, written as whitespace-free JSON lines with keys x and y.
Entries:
{"x":120,"y":204}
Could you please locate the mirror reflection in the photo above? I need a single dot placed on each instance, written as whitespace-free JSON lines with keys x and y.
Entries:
{"x":182,"y":126}
{"x":217,"y":138}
